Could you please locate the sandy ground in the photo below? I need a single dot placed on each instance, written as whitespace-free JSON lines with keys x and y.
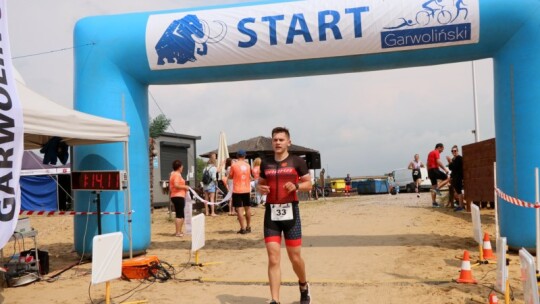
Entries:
{"x":361,"y":249}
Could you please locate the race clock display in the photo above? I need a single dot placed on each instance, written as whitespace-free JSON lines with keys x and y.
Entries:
{"x":98,"y":180}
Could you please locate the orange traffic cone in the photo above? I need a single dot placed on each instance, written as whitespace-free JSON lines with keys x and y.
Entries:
{"x":465,"y":275}
{"x":493,"y":298}
{"x":487,"y":252}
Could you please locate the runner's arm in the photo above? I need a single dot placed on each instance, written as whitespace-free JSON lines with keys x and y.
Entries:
{"x":441,"y":165}
{"x":262,"y":186}
{"x":304,"y":184}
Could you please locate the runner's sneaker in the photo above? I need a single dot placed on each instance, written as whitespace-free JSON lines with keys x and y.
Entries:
{"x":274,"y":302}
{"x":458,"y":209}
{"x":305,"y":296}
{"x":435,"y":205}
{"x":438,"y":192}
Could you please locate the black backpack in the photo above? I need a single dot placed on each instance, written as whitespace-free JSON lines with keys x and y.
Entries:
{"x":206,"y":178}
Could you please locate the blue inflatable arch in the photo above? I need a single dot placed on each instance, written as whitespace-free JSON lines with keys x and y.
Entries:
{"x":272,"y":39}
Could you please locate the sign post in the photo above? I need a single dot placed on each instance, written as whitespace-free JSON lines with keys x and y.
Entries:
{"x":107,"y":260}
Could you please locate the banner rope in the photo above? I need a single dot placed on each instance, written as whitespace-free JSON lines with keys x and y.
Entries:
{"x":195,"y":195}
{"x":515,"y":201}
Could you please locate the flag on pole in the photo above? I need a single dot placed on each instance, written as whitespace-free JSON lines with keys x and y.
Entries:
{"x":11,"y":137}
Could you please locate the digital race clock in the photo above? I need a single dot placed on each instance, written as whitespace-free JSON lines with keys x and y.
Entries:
{"x":98,"y":180}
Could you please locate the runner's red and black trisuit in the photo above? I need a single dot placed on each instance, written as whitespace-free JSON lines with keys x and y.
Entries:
{"x":277,"y":174}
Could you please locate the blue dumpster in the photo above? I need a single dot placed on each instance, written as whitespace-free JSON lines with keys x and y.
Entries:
{"x":372,"y":186}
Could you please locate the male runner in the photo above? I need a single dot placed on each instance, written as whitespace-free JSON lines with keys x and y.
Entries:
{"x":435,"y":174}
{"x":241,"y":176}
{"x":281,"y":176}
{"x":415,"y":166}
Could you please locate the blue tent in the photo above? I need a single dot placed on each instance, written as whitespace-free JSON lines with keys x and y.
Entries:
{"x":39,"y":184}
{"x":39,"y":193}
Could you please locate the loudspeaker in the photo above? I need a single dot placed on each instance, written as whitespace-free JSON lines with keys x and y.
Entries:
{"x":313,"y":160}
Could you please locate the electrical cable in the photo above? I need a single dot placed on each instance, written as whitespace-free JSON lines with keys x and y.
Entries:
{"x":135,"y":291}
{"x":186,"y":266}
{"x":161,"y":110}
{"x":485,"y":274}
{"x":90,"y":295}
{"x":81,"y":260}
{"x":52,"y":51}
{"x":158,"y":272}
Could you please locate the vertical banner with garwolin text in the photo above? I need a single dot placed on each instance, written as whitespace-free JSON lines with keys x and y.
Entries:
{"x":11,"y":137}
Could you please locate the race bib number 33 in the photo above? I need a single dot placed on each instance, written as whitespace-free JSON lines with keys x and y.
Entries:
{"x":281,"y":212}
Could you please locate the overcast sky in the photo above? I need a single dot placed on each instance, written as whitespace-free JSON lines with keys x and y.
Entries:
{"x":366,"y":123}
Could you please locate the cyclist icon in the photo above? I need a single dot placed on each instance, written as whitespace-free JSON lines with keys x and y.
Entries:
{"x":440,"y":14}
{"x":430,"y":12}
{"x":428,"y":8}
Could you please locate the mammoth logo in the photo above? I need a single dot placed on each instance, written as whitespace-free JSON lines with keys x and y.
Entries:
{"x":185,"y":36}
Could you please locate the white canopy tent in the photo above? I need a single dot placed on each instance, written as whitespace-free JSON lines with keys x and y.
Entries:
{"x":44,"y":119}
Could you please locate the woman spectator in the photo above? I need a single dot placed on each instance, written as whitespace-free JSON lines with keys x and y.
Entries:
{"x":456,"y":166}
{"x":178,"y":188}
{"x":210,"y":189}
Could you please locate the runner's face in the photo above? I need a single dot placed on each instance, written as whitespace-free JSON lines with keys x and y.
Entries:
{"x":280,"y":142}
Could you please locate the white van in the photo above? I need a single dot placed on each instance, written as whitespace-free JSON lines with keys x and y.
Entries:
{"x":403,"y":179}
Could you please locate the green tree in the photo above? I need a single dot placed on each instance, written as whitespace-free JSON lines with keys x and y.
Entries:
{"x":157,"y":126}
{"x":201,"y":163}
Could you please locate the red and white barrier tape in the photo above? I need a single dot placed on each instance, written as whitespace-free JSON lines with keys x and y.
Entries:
{"x":514,"y":200}
{"x":51,"y":213}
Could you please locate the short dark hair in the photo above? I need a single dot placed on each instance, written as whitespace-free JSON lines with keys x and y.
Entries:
{"x":280,"y":130}
{"x":176,"y":164}
{"x":439,"y":145}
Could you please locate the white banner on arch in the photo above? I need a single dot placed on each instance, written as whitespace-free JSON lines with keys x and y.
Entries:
{"x":308,"y":29}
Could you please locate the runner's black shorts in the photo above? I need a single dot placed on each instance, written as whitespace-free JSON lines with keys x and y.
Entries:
{"x":416,"y":174}
{"x":435,"y":174}
{"x":179,"y":203}
{"x":241,"y":200}
{"x":291,"y":229}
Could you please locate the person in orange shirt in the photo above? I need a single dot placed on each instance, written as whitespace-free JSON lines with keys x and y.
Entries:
{"x":177,"y":192}
{"x":241,"y":176}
